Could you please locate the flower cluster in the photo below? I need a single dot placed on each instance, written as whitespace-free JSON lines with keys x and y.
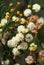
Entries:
{"x":24,"y":33}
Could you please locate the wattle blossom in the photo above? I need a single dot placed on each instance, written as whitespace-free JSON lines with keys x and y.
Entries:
{"x":36,"y":7}
{"x":27,"y":12}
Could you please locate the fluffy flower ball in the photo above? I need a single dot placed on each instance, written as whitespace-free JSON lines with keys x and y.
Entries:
{"x":11,"y":43}
{"x":23,"y":46}
{"x":20,"y":28}
{"x":31,"y":26}
{"x":3,"y":21}
{"x":15,"y":40}
{"x":36,"y":7}
{"x":14,"y":18}
{"x":15,"y":51}
{"x":40,"y":20}
{"x":20,"y":37}
{"x":28,"y":37}
{"x":27,"y":12}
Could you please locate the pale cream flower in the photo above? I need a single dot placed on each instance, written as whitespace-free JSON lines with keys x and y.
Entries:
{"x":14,"y":18}
{"x":15,"y":39}
{"x":23,"y":46}
{"x":3,"y":21}
{"x":20,"y":36}
{"x":40,"y":20}
{"x":20,"y":28}
{"x":28,"y":37}
{"x":25,"y":30}
{"x":36,"y":7}
{"x":15,"y":51}
{"x":27,"y":12}
{"x":11,"y":43}
{"x":31,"y":26}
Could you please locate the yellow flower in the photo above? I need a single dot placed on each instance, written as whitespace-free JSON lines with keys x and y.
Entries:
{"x":32,"y":44}
{"x":42,"y":58}
{"x":11,"y":4}
{"x":18,"y":12}
{"x":21,"y":15}
{"x":12,"y":10}
{"x":0,"y":25}
{"x":18,"y":3}
{"x":22,"y":21}
{"x":7,"y":13}
{"x":7,"y":17}
{"x":24,"y":31}
{"x":32,"y":47}
{"x":14,"y":18}
{"x":29,"y":6}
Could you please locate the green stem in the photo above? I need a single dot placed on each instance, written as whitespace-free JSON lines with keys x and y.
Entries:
{"x":35,"y":37}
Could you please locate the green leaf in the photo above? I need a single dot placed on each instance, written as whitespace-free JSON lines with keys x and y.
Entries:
{"x":6,"y":26}
{"x":41,"y":34}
